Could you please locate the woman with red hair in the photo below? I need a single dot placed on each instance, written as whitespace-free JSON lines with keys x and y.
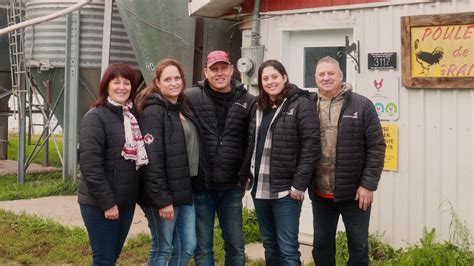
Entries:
{"x":111,"y":152}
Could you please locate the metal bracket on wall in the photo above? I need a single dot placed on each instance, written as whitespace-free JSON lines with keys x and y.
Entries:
{"x":349,"y":49}
{"x":71,"y":85}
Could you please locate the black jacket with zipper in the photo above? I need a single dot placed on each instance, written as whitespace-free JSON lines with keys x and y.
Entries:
{"x":107,"y":179}
{"x":295,"y":146}
{"x":225,"y":149}
{"x":166,"y":178}
{"x":360,"y":148}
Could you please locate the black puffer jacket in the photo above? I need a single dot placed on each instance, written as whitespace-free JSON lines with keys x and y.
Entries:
{"x":166,"y":178}
{"x":295,"y":143}
{"x":225,"y":151}
{"x":107,"y":179}
{"x":360,"y":147}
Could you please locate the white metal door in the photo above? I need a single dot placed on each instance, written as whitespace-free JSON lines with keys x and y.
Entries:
{"x":294,"y":57}
{"x":293,"y":51}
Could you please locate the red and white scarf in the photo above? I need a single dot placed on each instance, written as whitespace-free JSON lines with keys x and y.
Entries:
{"x":134,"y":148}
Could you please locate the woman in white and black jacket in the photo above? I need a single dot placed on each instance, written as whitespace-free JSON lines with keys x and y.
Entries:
{"x":111,"y":151}
{"x":172,"y":141}
{"x":284,"y":147}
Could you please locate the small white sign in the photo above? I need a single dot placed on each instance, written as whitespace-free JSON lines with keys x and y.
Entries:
{"x":382,"y":89}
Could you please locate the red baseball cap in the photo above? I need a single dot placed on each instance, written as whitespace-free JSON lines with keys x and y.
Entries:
{"x":217,"y":56}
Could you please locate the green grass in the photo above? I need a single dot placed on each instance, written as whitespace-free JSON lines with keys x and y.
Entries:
{"x":35,"y":186}
{"x":53,"y":155}
{"x":38,"y":184}
{"x":32,"y":240}
{"x":135,"y":250}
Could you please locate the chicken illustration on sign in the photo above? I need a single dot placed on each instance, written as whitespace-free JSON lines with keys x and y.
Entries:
{"x":378,"y":84}
{"x":427,"y":59}
{"x":442,"y":51}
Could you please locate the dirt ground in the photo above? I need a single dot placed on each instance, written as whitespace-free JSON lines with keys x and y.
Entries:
{"x":65,"y":210}
{"x":8,"y":167}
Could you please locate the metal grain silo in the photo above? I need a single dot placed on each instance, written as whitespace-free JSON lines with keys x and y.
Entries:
{"x":159,"y":29}
{"x":163,"y":29}
{"x":45,"y":50}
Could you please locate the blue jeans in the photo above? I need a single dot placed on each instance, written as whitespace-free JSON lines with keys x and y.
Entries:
{"x":228,"y":205}
{"x":279,"y":221}
{"x":175,"y":239}
{"x":106,"y":237}
{"x":356,"y":221}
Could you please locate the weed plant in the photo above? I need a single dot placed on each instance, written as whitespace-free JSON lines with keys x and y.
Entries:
{"x":250,"y":227}
{"x":455,"y":251}
{"x":426,"y":252}
{"x":429,"y":252}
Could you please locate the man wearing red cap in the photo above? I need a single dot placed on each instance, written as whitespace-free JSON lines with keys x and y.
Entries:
{"x":223,"y":107}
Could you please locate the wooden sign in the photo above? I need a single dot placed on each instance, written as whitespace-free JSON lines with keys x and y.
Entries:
{"x":438,"y":51}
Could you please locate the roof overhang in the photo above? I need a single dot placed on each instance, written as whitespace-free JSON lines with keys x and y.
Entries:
{"x":211,"y":8}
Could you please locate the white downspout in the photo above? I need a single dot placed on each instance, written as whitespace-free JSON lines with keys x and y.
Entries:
{"x":52,"y":16}
{"x":255,"y":36}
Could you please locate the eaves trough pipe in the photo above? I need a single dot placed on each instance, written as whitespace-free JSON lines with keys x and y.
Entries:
{"x":49,"y":17}
{"x":255,"y":36}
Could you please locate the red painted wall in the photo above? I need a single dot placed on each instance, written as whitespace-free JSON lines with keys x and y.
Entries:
{"x":278,"y":5}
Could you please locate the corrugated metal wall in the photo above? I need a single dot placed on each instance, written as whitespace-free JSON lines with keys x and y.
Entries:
{"x":436,"y":143}
{"x":46,"y":41}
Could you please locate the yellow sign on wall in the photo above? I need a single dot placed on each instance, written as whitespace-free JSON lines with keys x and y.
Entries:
{"x":390,"y":133}
{"x":442,"y":51}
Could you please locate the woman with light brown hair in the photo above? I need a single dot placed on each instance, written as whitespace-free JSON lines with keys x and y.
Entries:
{"x":172,"y":141}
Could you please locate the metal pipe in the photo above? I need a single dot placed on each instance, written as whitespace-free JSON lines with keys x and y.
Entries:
{"x":46,"y":122}
{"x":255,"y":36}
{"x":30,"y":115}
{"x":21,"y":128}
{"x":107,"y":32}
{"x":38,"y":20}
{"x":71,"y":82}
{"x":198,"y":50}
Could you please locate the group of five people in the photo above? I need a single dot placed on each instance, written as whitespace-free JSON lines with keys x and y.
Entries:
{"x":185,"y":155}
